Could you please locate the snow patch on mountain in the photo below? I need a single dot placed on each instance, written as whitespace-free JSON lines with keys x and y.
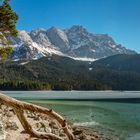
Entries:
{"x":84,"y":59}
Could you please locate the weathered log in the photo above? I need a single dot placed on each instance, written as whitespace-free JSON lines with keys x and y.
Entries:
{"x":19,"y":106}
{"x":28,"y":129}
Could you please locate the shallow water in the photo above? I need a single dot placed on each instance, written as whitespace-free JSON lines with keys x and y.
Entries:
{"x":120,"y":121}
{"x":135,"y":137}
{"x":116,"y":120}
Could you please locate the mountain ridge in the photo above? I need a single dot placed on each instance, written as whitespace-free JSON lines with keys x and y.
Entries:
{"x":75,"y":42}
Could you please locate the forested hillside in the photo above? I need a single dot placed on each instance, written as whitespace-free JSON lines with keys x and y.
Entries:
{"x":120,"y":72}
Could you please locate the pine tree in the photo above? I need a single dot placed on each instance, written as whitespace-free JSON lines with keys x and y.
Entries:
{"x":8,"y":19}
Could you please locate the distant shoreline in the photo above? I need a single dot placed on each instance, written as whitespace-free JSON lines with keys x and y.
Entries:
{"x":119,"y":100}
{"x":101,"y":96}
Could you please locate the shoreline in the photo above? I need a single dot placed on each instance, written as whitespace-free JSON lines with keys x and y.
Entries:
{"x":101,"y":114}
{"x":12,"y":129}
{"x":117,"y":100}
{"x":102,"y":96}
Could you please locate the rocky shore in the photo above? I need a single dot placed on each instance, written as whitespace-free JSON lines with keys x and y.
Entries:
{"x":11,"y":128}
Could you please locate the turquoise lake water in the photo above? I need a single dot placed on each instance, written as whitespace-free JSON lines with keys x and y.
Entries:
{"x":119,"y":121}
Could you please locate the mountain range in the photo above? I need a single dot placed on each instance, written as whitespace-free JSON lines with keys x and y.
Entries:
{"x":75,"y":42}
{"x":51,"y":60}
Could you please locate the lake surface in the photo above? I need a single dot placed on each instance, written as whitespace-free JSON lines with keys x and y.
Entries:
{"x":112,"y":114}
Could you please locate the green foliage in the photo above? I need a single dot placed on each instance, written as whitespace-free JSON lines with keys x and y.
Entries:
{"x":8,"y":19}
{"x":5,"y":52}
{"x":24,"y":85}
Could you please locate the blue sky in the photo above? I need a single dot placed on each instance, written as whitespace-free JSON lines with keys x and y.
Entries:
{"x":118,"y":18}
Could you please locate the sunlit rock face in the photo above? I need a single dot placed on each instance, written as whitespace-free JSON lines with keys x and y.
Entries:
{"x":75,"y":42}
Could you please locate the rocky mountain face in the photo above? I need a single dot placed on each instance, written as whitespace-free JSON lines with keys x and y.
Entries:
{"x":75,"y":42}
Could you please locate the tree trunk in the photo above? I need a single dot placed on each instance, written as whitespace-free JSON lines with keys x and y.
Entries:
{"x":19,"y":108}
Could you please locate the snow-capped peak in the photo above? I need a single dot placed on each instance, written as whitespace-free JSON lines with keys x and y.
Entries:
{"x":75,"y":42}
{"x":24,"y":36}
{"x":58,"y":38}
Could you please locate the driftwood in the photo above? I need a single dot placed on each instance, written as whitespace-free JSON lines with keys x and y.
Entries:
{"x":19,"y":107}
